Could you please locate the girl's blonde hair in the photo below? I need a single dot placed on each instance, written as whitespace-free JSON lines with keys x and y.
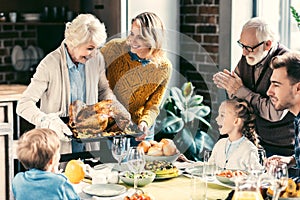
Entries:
{"x":83,"y":29}
{"x":152,"y":32}
{"x":245,"y":112}
{"x":37,"y":147}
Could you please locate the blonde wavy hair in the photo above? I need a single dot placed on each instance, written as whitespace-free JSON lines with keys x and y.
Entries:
{"x":152,"y":32}
{"x":245,"y":111}
{"x":37,"y":147}
{"x":83,"y":29}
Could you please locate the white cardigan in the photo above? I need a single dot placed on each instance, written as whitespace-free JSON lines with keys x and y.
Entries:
{"x":243,"y":158}
{"x":51,"y":86}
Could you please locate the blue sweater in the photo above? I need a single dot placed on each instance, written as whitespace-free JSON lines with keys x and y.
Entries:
{"x":38,"y":184}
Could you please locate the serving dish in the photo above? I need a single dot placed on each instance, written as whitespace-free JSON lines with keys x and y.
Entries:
{"x":225,"y":180}
{"x":144,"y":178}
{"x":171,"y":159}
{"x":288,"y":198}
{"x":168,"y":176}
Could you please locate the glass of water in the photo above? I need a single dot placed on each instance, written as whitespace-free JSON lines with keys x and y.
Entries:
{"x":209,"y":167}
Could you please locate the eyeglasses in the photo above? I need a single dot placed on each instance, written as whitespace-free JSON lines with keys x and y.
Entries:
{"x":248,"y":48}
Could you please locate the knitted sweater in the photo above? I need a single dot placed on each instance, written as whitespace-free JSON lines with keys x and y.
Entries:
{"x":139,"y":88}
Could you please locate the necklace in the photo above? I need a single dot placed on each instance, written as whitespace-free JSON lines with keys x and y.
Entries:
{"x":230,"y":148}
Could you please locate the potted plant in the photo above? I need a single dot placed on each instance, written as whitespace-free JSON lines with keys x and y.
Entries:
{"x":184,"y":121}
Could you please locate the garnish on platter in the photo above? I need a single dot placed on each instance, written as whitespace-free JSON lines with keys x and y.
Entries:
{"x":139,"y":195}
{"x":227,"y":176}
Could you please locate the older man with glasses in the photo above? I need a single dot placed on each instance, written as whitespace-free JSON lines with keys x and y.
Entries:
{"x":250,"y":80}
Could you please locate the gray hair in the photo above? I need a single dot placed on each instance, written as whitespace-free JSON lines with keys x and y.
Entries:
{"x":83,"y":29}
{"x":263,"y":30}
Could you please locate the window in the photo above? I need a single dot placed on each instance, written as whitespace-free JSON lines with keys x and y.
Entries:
{"x":278,"y":13}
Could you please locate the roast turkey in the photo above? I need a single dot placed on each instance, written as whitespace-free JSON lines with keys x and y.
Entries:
{"x":96,"y":118}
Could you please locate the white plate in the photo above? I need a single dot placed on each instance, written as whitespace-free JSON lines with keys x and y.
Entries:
{"x":27,"y":59}
{"x":17,"y":58}
{"x":195,"y":171}
{"x":33,"y":53}
{"x":104,"y":190}
{"x":40,"y":52}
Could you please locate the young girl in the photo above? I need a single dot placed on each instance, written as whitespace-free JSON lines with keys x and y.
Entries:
{"x":239,"y":150}
{"x":38,"y":151}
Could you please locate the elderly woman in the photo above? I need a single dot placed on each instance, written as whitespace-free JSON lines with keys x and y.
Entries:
{"x":74,"y":71}
{"x":138,"y":70}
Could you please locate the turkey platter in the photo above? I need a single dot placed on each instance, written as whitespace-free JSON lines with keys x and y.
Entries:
{"x":100,"y":119}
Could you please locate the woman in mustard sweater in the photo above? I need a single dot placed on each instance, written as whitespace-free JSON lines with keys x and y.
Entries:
{"x":138,"y":70}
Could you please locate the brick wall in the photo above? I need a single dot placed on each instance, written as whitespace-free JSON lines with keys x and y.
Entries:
{"x":10,"y":35}
{"x":199,"y":20}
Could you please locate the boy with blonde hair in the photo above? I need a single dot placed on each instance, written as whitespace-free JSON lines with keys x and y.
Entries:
{"x":38,"y":151}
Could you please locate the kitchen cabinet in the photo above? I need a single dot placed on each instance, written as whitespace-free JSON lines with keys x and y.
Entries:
{"x":9,"y":130}
{"x":6,"y":160}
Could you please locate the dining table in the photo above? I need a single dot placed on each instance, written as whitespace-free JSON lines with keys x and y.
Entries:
{"x":176,"y":188}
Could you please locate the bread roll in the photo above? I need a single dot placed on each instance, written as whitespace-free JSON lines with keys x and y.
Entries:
{"x":155,"y":151}
{"x":153,"y":142}
{"x":168,"y":148}
{"x":145,"y":145}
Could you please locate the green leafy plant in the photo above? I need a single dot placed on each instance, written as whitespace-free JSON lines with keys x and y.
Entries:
{"x":184,"y":112}
{"x":295,"y":15}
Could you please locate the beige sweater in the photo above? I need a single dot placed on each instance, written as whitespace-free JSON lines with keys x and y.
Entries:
{"x":139,"y":88}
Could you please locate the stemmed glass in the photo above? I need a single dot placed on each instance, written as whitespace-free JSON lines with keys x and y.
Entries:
{"x":279,"y":172}
{"x":258,"y":168}
{"x":136,"y":163}
{"x":119,"y":149}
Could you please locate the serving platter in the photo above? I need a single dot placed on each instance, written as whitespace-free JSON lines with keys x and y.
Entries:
{"x":85,"y":138}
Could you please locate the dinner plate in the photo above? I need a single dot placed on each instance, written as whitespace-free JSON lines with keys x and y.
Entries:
{"x":34,"y":57}
{"x":225,"y":180}
{"x":195,"y":171}
{"x":104,"y":190}
{"x":17,"y":58}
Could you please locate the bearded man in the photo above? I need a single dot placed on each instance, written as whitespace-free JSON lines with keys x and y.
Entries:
{"x":250,"y":80}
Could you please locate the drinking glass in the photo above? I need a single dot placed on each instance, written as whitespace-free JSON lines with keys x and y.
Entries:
{"x":280,"y":182}
{"x":209,"y":167}
{"x":119,"y":149}
{"x":262,"y":157}
{"x":136,"y":163}
{"x":258,"y":168}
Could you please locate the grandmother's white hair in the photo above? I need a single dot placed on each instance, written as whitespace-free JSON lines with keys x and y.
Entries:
{"x":83,"y":29}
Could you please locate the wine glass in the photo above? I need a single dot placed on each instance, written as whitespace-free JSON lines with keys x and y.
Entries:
{"x":136,"y":163}
{"x":119,"y":149}
{"x":279,"y":172}
{"x":259,"y":167}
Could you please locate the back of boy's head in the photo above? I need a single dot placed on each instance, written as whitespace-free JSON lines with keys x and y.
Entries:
{"x":37,"y":147}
